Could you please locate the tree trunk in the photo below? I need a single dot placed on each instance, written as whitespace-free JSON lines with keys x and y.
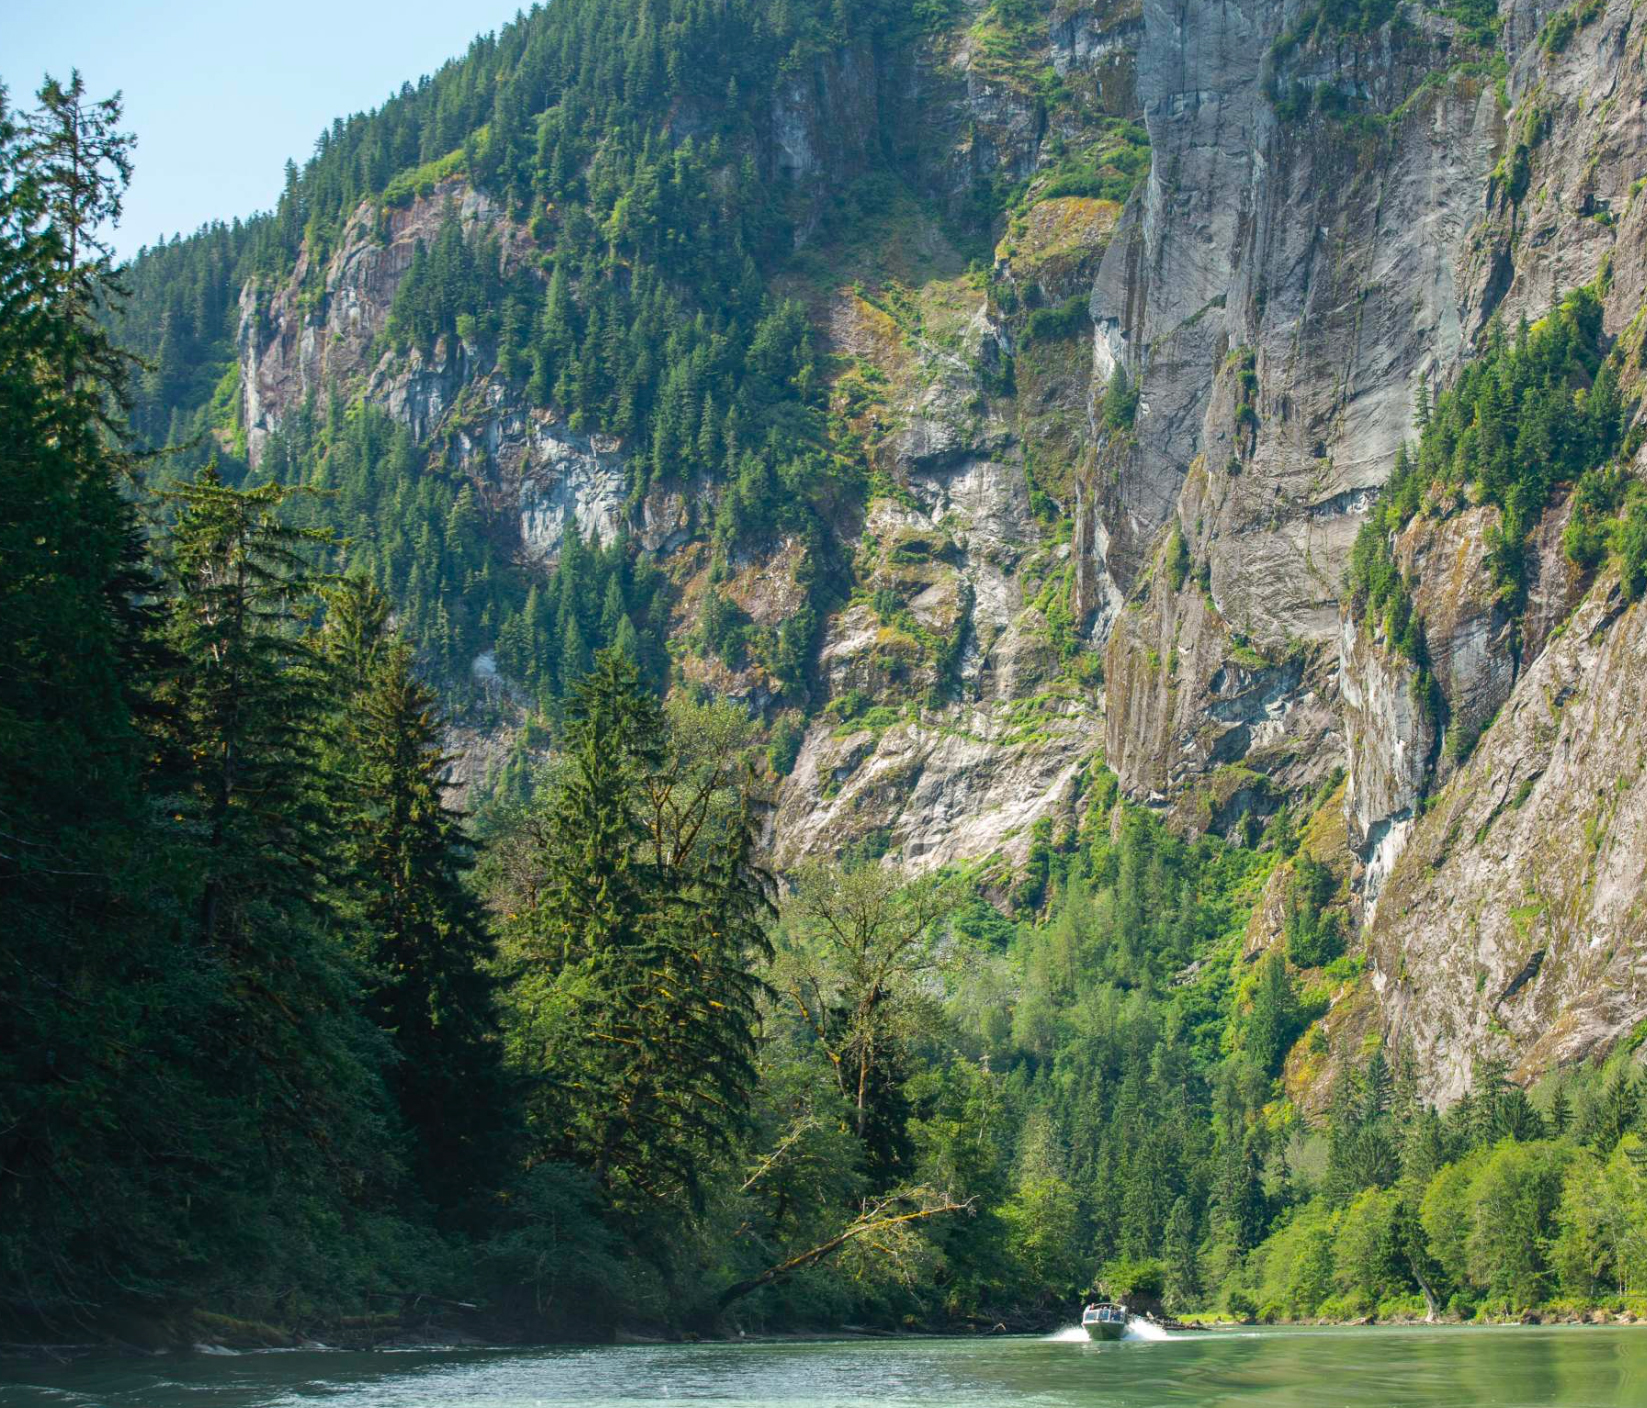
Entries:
{"x":868,"y":1223}
{"x":1432,"y":1307}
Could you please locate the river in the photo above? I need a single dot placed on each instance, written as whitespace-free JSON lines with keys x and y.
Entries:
{"x":1578,"y":1367}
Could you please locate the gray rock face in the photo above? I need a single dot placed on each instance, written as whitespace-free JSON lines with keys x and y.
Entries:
{"x":1534,"y":851}
{"x":1514,"y":263}
{"x":291,"y":346}
{"x":1580,"y":116}
{"x":1206,"y":730}
{"x":1095,"y":40}
{"x":968,"y":777}
{"x":1162,"y":292}
{"x":566,"y":479}
{"x":1277,"y":295}
{"x":1507,"y":919}
{"x":1277,"y":292}
{"x":1391,"y":745}
{"x":963,"y":786}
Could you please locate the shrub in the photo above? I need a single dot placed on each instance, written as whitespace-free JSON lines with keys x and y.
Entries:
{"x":1178,"y":558}
{"x":1630,"y":542}
{"x":1067,"y":320}
{"x":1120,"y":401}
{"x":784,"y":745}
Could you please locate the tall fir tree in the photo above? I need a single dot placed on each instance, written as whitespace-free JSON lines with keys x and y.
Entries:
{"x":636,"y":997}
{"x":298,"y":1065}
{"x":423,"y":936}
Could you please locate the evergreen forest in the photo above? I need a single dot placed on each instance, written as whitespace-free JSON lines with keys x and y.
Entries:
{"x":289,"y":1040}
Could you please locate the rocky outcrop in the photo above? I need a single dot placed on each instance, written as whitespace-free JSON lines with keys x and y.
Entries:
{"x":967,"y":785}
{"x":1512,"y":921}
{"x":952,"y":728}
{"x":1406,"y":734}
{"x":1330,"y":223}
{"x":1390,"y":733}
{"x":1563,"y":204}
{"x":1210,"y":728}
{"x":319,"y":331}
{"x":533,"y":473}
{"x":1277,"y":295}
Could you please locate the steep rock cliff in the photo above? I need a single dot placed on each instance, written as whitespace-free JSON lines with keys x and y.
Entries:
{"x":1502,"y":901}
{"x":1146,"y":425}
{"x":1512,"y":921}
{"x":978,"y":726}
{"x":1278,"y":295}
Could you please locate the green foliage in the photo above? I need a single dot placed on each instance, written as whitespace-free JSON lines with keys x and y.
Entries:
{"x":597,"y":598}
{"x":635,"y":1007}
{"x":1178,"y":558}
{"x":238,"y":861}
{"x":459,"y":276}
{"x":1357,"y":16}
{"x":1630,"y":543}
{"x":1491,"y":1207}
{"x":1560,"y":28}
{"x":723,"y":628}
{"x":406,"y":524}
{"x":1313,"y":934}
{"x":79,"y":853}
{"x":1525,"y":416}
{"x":645,"y":315}
{"x":234,"y":881}
{"x":1120,"y":400}
{"x":784,"y":744}
{"x":1242,"y":363}
{"x":1069,"y":319}
{"x":427,"y":951}
{"x":1273,"y":1020}
{"x":1378,"y":591}
{"x":1129,"y":1280}
{"x":1599,"y":492}
{"x":935,"y":15}
{"x":1110,"y":169}
{"x":1478,"y":20}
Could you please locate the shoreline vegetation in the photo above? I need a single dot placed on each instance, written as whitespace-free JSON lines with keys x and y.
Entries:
{"x":207,"y":1333}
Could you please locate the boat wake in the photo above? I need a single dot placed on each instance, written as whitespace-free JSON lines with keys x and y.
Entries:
{"x":1136,"y":1330}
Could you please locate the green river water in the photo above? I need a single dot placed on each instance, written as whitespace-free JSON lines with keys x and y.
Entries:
{"x":1352,"y":1368}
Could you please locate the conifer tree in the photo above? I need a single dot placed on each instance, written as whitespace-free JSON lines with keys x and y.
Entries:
{"x":635,"y":1000}
{"x":82,"y":973}
{"x":1183,"y":1263}
{"x":422,"y":934}
{"x":245,"y":711}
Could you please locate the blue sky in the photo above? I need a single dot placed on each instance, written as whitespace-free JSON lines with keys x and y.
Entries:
{"x":220,"y":94}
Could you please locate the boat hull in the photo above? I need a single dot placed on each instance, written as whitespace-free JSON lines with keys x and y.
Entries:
{"x":1104,"y":1329}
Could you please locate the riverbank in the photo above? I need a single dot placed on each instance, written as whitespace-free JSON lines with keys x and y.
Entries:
{"x":422,"y":1324}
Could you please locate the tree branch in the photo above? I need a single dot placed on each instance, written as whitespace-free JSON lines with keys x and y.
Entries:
{"x":870,"y":1221}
